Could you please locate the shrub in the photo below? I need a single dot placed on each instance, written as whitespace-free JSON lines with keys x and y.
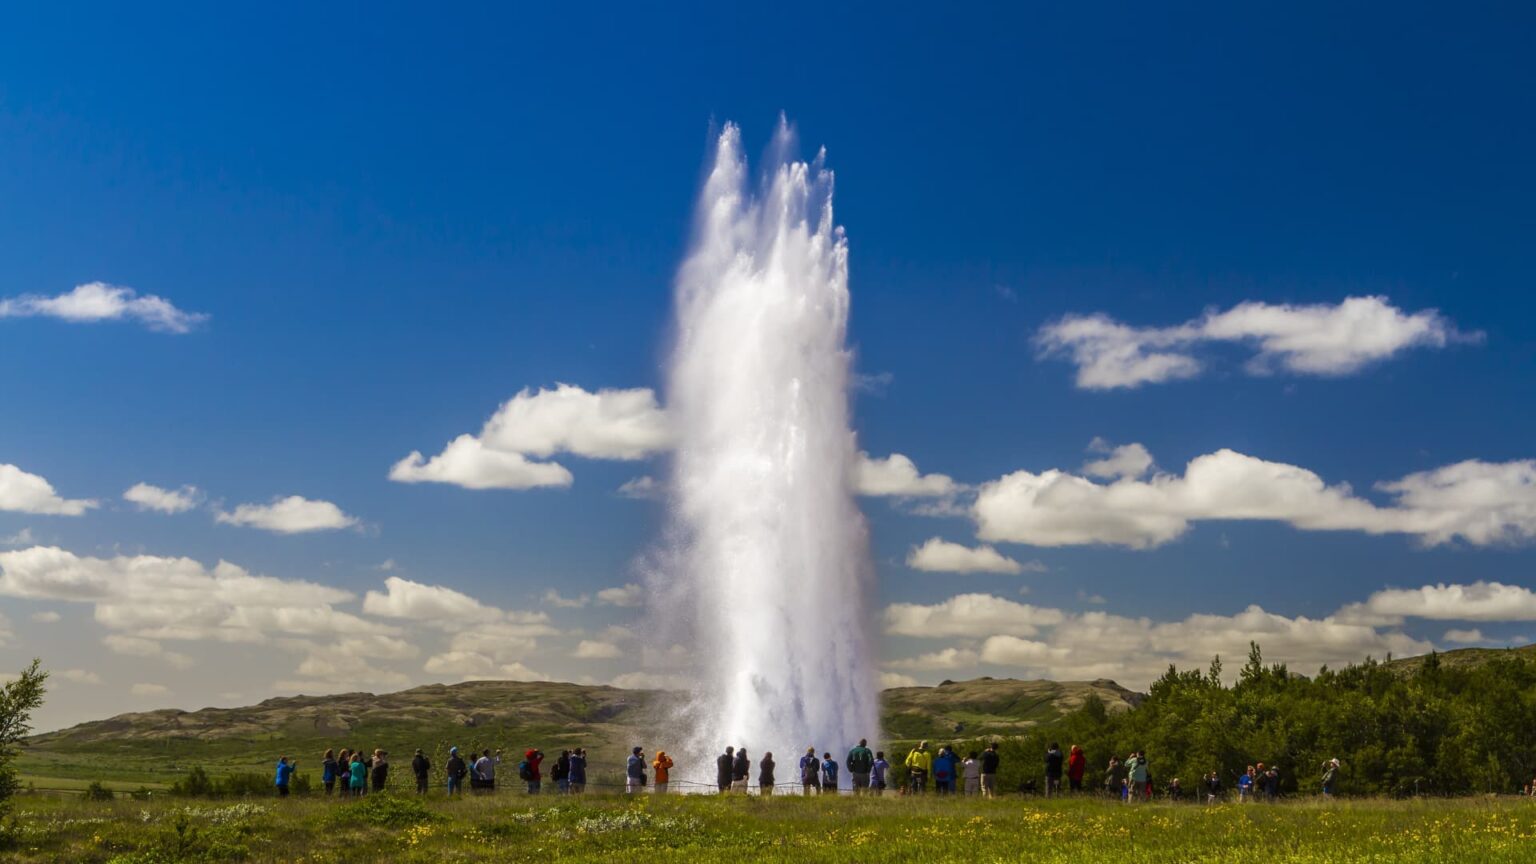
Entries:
{"x":18,"y":699}
{"x":98,"y":792}
{"x":385,"y":811}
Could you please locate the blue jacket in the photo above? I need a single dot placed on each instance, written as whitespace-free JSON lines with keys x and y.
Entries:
{"x":284,"y":771}
{"x":578,"y":769}
{"x":829,"y":774}
{"x":944,"y":766}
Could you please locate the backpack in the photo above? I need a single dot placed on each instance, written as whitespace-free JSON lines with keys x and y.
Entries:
{"x":525,"y":771}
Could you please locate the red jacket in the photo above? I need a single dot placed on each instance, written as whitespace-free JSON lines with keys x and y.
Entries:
{"x":1077,"y":763}
{"x":535,"y":759}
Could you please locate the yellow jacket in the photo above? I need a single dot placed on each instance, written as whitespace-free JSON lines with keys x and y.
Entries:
{"x":663,"y":764}
{"x":921,"y":760}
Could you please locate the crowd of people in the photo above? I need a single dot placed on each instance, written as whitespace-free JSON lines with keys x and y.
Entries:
{"x":354,"y":773}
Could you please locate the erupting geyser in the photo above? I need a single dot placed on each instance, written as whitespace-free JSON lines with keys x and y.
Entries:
{"x":771,"y":551}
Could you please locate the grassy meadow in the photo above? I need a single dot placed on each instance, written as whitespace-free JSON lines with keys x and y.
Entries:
{"x":515,"y":827}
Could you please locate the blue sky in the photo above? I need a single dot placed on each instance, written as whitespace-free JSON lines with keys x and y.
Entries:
{"x":395,"y":219}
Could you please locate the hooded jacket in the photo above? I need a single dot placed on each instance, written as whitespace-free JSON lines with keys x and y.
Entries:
{"x":1077,"y":763}
{"x":920,"y":760}
{"x":662,"y":764}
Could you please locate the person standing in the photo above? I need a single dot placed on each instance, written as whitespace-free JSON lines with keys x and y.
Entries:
{"x":380,"y":770}
{"x":880,"y":772}
{"x":1114,"y":776}
{"x":284,"y":775}
{"x":944,"y":766}
{"x":1245,"y":785}
{"x":765,"y":775}
{"x":828,"y":774}
{"x":456,"y":771}
{"x":1077,"y":765}
{"x":663,"y":767}
{"x":989,"y":762}
{"x":421,"y":766}
{"x":1330,"y":776}
{"x":810,"y":772}
{"x":485,"y":770}
{"x":1053,"y":765}
{"x":634,"y":772}
{"x":578,"y":776}
{"x":860,"y":763}
{"x":328,"y":771}
{"x":1212,"y":788}
{"x":919,"y":764}
{"x":725,"y":766}
{"x":359,"y":772}
{"x":970,"y":772}
{"x":741,"y":771}
{"x":1140,"y":774}
{"x":561,"y":773}
{"x":534,"y":758}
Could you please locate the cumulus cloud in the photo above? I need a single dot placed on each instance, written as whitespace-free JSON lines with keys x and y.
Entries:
{"x":156,"y":598}
{"x":45,"y":617}
{"x":949,"y":658}
{"x":1317,"y":339}
{"x":1464,"y":637}
{"x":292,"y":515}
{"x":79,"y":676}
{"x":98,"y":301}
{"x":436,"y":604}
{"x":149,"y":690}
{"x":138,"y":646}
{"x":1077,"y":646}
{"x":520,"y":672}
{"x":608,"y":424}
{"x":590,"y":649}
{"x":972,"y":615}
{"x":891,"y":680}
{"x":627,"y":595}
{"x":1479,"y":601}
{"x":897,"y":476}
{"x":1478,"y":502}
{"x":942,"y":556}
{"x":560,"y":601}
{"x":147,"y":497}
{"x":1124,"y":461}
{"x":467,"y":462}
{"x":21,"y":492}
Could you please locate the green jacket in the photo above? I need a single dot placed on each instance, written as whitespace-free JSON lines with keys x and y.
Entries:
{"x":860,"y":760}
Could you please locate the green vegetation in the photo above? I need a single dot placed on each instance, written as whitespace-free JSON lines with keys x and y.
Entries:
{"x":594,"y":828}
{"x":18,"y":699}
{"x":1425,"y":726}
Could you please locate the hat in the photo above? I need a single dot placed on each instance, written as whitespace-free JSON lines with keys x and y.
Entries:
{"x":418,"y":751}
{"x":450,"y":750}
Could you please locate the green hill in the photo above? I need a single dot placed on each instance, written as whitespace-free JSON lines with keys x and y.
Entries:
{"x":160,"y":746}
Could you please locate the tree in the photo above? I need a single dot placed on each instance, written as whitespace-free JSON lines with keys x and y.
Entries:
{"x":18,"y":700}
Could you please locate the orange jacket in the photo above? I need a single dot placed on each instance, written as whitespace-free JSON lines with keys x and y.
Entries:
{"x":663,"y":764}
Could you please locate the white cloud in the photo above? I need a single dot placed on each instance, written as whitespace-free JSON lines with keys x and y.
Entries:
{"x":1478,"y":502}
{"x":1124,"y":461}
{"x":149,"y":690}
{"x":653,"y":681}
{"x":28,"y":493}
{"x":1464,"y":637}
{"x":972,"y":615}
{"x":138,"y":646}
{"x":24,"y":537}
{"x":949,"y":658}
{"x":519,"y":672}
{"x":608,"y":424}
{"x":1479,"y":601}
{"x":941,"y":556}
{"x":149,"y":497}
{"x":98,"y":301}
{"x":644,"y":488}
{"x":467,"y":462}
{"x":592,"y":650}
{"x":45,"y":617}
{"x":891,"y":680}
{"x":437,"y":604}
{"x":559,"y":601}
{"x":154,"y":598}
{"x":79,"y":676}
{"x":897,"y":476}
{"x":292,"y":515}
{"x":628,"y":595}
{"x":465,"y":664}
{"x":1318,"y":339}
{"x":1084,"y":646}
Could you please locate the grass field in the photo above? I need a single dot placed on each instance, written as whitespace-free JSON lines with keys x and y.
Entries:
{"x":513,"y":827}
